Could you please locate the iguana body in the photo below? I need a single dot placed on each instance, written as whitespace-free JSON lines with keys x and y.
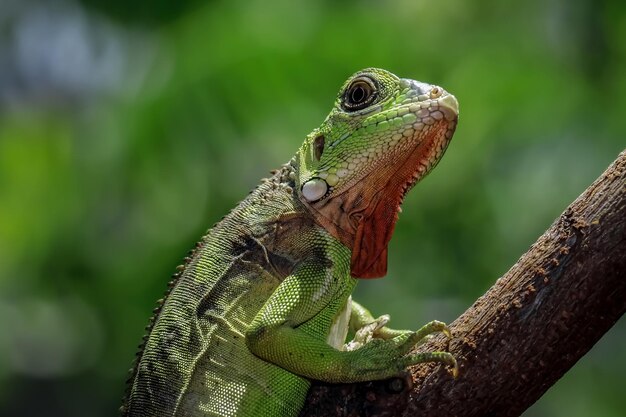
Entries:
{"x":262,"y":305}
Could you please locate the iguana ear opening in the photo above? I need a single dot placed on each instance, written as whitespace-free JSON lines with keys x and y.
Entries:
{"x":369,"y":251}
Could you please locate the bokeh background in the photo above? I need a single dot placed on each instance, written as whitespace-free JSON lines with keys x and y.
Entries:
{"x":128,"y":128}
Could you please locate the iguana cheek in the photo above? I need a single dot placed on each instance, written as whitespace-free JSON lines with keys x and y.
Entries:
{"x":314,"y":189}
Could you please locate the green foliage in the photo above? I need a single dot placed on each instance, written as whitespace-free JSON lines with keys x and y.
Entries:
{"x":102,"y":195}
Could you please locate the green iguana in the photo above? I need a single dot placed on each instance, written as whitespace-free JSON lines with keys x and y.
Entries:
{"x":263,"y":303}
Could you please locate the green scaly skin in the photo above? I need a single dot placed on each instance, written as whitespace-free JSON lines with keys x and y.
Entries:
{"x":262,"y":304}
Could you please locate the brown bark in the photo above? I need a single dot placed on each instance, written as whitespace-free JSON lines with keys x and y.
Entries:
{"x":529,"y":329}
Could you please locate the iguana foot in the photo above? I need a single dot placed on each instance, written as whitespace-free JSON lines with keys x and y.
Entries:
{"x":376,"y":358}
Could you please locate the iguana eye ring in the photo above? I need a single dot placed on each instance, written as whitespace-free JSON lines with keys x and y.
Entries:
{"x":359,"y":94}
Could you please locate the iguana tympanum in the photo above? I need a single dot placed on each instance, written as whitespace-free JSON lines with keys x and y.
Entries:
{"x":262,"y":305}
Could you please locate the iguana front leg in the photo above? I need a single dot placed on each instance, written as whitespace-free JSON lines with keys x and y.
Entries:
{"x":290,"y":331}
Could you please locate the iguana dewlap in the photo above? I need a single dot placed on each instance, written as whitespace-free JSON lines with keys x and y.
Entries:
{"x":263,"y":303}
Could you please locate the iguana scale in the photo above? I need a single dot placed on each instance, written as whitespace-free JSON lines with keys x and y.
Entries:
{"x":263,"y":303}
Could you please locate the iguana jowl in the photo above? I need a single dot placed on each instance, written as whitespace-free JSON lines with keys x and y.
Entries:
{"x":262,"y":304}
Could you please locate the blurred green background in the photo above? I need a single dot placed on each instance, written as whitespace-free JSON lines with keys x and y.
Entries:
{"x":128,"y":128}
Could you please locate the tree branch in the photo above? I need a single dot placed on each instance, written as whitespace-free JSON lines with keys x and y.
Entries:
{"x":520,"y":337}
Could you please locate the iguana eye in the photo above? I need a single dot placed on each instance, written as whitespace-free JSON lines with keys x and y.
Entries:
{"x":360,"y":93}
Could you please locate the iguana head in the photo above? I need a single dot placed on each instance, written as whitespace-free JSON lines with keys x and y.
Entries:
{"x":383,"y":135}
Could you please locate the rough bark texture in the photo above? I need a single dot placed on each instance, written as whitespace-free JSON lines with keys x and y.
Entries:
{"x":531,"y":327}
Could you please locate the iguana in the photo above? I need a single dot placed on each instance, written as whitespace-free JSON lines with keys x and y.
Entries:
{"x":262,"y":305}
